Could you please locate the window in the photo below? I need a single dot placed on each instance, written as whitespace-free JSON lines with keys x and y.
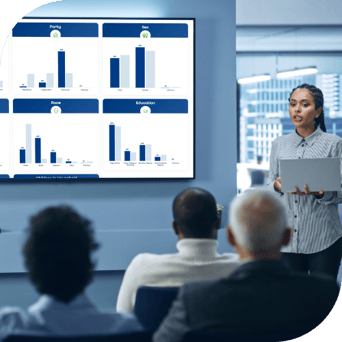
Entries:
{"x":269,"y":113}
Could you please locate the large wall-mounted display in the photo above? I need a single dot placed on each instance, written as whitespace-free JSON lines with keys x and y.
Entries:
{"x":97,"y":98}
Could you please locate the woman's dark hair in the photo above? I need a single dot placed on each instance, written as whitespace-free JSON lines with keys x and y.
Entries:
{"x":57,"y":252}
{"x":319,"y":102}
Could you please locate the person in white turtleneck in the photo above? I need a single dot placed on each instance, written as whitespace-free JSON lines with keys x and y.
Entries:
{"x":195,"y":224}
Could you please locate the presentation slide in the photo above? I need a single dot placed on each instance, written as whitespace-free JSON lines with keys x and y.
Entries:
{"x":97,"y":98}
{"x":4,"y":69}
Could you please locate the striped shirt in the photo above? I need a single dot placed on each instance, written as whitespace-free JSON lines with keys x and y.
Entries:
{"x":315,"y":222}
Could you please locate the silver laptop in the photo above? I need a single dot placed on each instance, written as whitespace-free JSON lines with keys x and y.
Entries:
{"x":318,"y":173}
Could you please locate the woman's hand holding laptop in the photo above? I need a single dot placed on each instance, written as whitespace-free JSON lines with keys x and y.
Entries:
{"x":277,"y":185}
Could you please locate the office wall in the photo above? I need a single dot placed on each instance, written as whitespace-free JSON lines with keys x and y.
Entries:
{"x":133,"y":216}
{"x":289,"y":12}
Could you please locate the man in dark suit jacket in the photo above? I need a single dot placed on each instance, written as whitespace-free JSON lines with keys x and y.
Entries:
{"x":262,"y":295}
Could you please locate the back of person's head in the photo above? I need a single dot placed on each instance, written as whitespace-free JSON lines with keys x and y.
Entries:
{"x":58,"y":251}
{"x":258,"y":221}
{"x":195,"y":213}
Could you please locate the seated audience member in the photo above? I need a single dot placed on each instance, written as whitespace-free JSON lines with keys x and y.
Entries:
{"x":58,"y":256}
{"x":195,"y":223}
{"x":262,"y":295}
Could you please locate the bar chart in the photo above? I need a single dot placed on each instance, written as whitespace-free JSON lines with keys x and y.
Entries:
{"x":36,"y":152}
{"x":42,"y":66}
{"x":44,"y":143}
{"x":111,"y":98}
{"x":160,"y":66}
{"x":124,"y":148}
{"x":144,"y":144}
{"x":144,"y":70}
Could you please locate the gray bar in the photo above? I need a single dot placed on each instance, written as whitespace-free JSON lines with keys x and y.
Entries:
{"x":124,"y":71}
{"x":1,"y":84}
{"x":59,"y":160}
{"x":148,"y":152}
{"x":28,"y":143}
{"x":150,"y":69}
{"x":117,"y":143}
{"x":49,"y":80}
{"x":68,"y":80}
{"x":163,"y":157}
{"x":133,"y":156}
{"x":44,"y":161}
{"x":30,"y":80}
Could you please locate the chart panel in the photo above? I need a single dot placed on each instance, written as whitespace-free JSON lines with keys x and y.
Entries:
{"x":4,"y":135}
{"x":146,"y":136}
{"x":55,"y":58}
{"x":56,"y":135}
{"x":146,"y":59}
{"x":98,"y":98}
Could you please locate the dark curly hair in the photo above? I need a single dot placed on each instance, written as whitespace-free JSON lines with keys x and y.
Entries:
{"x":319,"y":102}
{"x":57,"y":252}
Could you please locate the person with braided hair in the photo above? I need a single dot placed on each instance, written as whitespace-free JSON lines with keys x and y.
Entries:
{"x":316,"y":243}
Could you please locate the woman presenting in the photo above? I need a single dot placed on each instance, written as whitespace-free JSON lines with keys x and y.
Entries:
{"x":316,"y":243}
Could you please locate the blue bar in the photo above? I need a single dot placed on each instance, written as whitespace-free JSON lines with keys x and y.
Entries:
{"x":178,"y":30}
{"x":66,"y":29}
{"x":53,"y":157}
{"x":4,"y":106}
{"x":61,"y":69}
{"x":127,"y":156}
{"x":56,"y":176}
{"x":115,"y":73}
{"x":160,"y":106}
{"x":40,"y":106}
{"x":68,"y":162}
{"x":42,"y":84}
{"x":111,"y":142}
{"x":142,"y":152}
{"x":22,"y":156}
{"x":4,"y":176}
{"x":140,"y":67}
{"x":23,"y":87}
{"x":38,"y":148}
{"x":157,"y":158}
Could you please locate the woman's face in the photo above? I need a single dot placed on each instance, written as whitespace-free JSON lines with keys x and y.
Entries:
{"x":302,"y":109}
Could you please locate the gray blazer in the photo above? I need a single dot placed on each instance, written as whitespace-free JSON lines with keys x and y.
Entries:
{"x":259,"y":296}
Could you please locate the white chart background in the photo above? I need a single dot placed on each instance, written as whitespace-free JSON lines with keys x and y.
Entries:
{"x":39,"y":56}
{"x":167,"y":133}
{"x":72,"y":136}
{"x":89,"y":61}
{"x":171,"y":64}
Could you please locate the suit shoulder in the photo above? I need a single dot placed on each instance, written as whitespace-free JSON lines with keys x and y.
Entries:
{"x":320,"y":283}
{"x":194,"y":287}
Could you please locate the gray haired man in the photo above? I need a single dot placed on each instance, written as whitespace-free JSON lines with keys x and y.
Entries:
{"x":262,"y":295}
